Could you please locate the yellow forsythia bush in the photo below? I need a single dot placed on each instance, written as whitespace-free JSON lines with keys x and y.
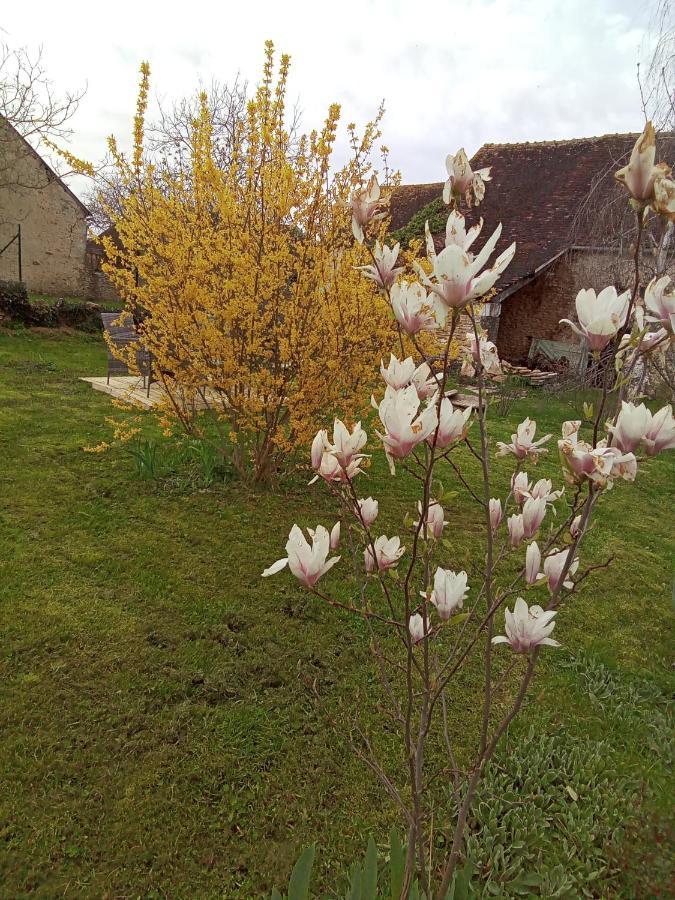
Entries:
{"x":246,"y":276}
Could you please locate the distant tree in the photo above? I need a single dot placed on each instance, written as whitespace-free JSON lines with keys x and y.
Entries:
{"x":169,"y":144}
{"x":35,"y":109}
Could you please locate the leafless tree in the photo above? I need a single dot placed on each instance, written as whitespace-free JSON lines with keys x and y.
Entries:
{"x":28,"y":99}
{"x":169,"y":141}
{"x":657,"y":78}
{"x":170,"y":137}
{"x":35,"y":110}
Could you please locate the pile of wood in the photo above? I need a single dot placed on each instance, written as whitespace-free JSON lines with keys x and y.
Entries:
{"x":534,"y":376}
{"x":468,"y":398}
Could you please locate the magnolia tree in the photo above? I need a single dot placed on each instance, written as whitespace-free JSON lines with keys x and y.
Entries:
{"x":427,"y":620}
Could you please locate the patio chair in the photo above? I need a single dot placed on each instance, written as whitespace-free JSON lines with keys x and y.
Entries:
{"x":122,"y":333}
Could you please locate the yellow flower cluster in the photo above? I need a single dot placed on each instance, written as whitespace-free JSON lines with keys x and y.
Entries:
{"x":245,"y":277}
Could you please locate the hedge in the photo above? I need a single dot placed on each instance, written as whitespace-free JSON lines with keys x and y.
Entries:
{"x":15,"y":306}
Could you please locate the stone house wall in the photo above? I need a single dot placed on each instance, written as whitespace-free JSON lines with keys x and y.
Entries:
{"x":536,"y":309}
{"x":53,"y":222}
{"x":98,"y":285}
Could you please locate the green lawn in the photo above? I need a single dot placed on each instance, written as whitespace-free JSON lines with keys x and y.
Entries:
{"x":159,"y":735}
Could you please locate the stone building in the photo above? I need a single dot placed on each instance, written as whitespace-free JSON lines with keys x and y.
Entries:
{"x":50,"y":219}
{"x":572,"y":225}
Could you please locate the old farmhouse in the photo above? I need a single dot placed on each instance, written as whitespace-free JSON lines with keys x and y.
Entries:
{"x":43,"y":224}
{"x":571,"y":223}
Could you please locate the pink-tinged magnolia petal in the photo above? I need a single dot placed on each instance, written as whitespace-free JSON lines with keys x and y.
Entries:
{"x":369,"y":510}
{"x":640,"y":175}
{"x":532,"y":563}
{"x":416,"y":628}
{"x":275,"y":567}
{"x":516,"y":529}
{"x":631,"y":426}
{"x":553,"y":566}
{"x":398,"y":374}
{"x":534,"y":510}
{"x":496,"y":513}
{"x":660,"y":303}
{"x":660,"y":434}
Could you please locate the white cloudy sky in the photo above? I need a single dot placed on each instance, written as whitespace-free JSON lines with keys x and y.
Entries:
{"x":452,"y":72}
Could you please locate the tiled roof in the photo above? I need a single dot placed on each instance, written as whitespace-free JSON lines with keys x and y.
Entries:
{"x":546,"y":195}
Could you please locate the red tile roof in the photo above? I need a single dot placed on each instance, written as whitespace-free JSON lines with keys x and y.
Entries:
{"x":546,"y":195}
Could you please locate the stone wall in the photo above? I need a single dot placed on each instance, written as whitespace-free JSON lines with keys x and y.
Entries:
{"x":98,"y":285}
{"x":53,"y":223}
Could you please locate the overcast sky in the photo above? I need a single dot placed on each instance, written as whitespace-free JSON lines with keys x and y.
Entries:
{"x":452,"y":72}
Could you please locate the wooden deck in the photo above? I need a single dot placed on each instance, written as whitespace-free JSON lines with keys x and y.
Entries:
{"x":128,"y":388}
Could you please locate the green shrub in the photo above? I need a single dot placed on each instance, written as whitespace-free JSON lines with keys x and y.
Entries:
{"x":14,"y":303}
{"x":17,"y":307}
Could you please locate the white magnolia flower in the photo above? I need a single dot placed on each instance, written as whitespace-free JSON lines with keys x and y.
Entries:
{"x":527,"y":628}
{"x":340,"y":460}
{"x":434,"y":522}
{"x":449,"y":591}
{"x":631,"y":426}
{"x":660,"y":303}
{"x":416,"y":628}
{"x":516,"y":529}
{"x":534,"y":510}
{"x":452,"y":423}
{"x":664,"y":197}
{"x":457,"y":272}
{"x":369,"y":509}
{"x":520,"y":485}
{"x":307,"y":563}
{"x":600,"y":317}
{"x":600,"y":464}
{"x":388,"y":551}
{"x":384,"y":270}
{"x":660,"y":434}
{"x":640,"y":175}
{"x":366,"y":207}
{"x":398,"y":374}
{"x":462,"y":181}
{"x":414,"y":309}
{"x":543,"y":489}
{"x":425,"y":383}
{"x":496,"y":513}
{"x":522,"y":443}
{"x":532,"y":563}
{"x":553,"y":566}
{"x":404,"y":429}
